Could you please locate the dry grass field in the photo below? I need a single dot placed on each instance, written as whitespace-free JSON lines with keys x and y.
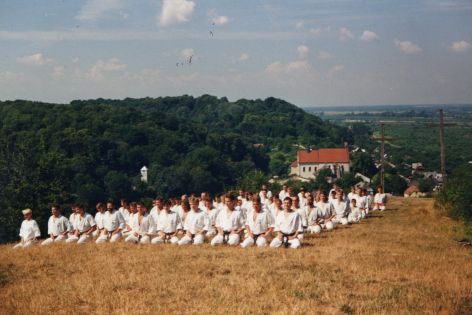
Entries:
{"x":402,"y":261}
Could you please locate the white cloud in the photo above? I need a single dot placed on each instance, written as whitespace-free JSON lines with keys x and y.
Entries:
{"x":299,"y":25}
{"x":408,"y":47}
{"x":286,"y":68}
{"x":98,"y":70}
{"x":345,"y":33}
{"x":243,"y":57}
{"x":369,"y":36}
{"x":461,"y":46}
{"x":175,"y":11}
{"x":58,"y":72}
{"x":34,"y":60}
{"x":335,"y":70}
{"x":95,"y":9}
{"x":186,"y":53}
{"x":217,"y":19}
{"x":8,"y":76}
{"x":303,"y":51}
{"x":318,"y":31}
{"x":323,"y":55}
{"x":75,"y":60}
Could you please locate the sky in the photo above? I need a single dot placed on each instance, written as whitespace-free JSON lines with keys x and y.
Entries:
{"x":308,"y":52}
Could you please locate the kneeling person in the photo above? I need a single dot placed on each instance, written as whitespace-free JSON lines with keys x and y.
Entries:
{"x":113,"y":224}
{"x":194,"y":225}
{"x":288,"y":225}
{"x":169,"y":224}
{"x":229,"y":223}
{"x":258,"y":225}
{"x":29,"y":231}
{"x":141,"y":224}
{"x":84,"y":227}
{"x":58,"y":227}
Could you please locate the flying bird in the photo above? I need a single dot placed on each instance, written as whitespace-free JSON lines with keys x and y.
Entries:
{"x":190,"y":60}
{"x":211,"y":33}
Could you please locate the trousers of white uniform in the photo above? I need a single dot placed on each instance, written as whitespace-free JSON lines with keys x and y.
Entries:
{"x":316,"y":229}
{"x":104,"y":238}
{"x":131,"y":238}
{"x":49,"y":241}
{"x":25,"y":244}
{"x":379,"y":207}
{"x":342,"y":220}
{"x":233,"y":240}
{"x":197,"y":240}
{"x":295,"y":243}
{"x":160,"y":240}
{"x":211,"y":233}
{"x":249,"y":241}
{"x":84,"y":238}
{"x":352,"y":218}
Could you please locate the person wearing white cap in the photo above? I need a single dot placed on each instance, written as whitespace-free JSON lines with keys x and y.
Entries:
{"x":113,"y":222}
{"x":194,"y":225}
{"x":258,"y":225}
{"x":169,"y":224}
{"x":229,"y":223}
{"x":141,"y":223}
{"x":288,"y":225}
{"x":83,"y":228}
{"x":29,"y":230}
{"x":58,"y":226}
{"x":340,"y":208}
{"x":99,"y":219}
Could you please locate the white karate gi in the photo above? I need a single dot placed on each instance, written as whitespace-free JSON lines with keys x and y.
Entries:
{"x":355,"y":215}
{"x":99,"y":220}
{"x":169,"y":223}
{"x":380,"y":200}
{"x":312,"y":219}
{"x":340,"y":208}
{"x":195,"y":224}
{"x":258,"y":224}
{"x":228,"y":222}
{"x":29,"y":230}
{"x":325,"y":213}
{"x":57,"y":226}
{"x":111,"y":222}
{"x":210,"y":217}
{"x":140,"y":232}
{"x":304,"y":219}
{"x":283,"y":194}
{"x":288,"y":224}
{"x":82,"y":225}
{"x":72,"y":225}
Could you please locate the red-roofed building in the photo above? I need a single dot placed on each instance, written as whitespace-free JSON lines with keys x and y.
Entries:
{"x":309,"y":162}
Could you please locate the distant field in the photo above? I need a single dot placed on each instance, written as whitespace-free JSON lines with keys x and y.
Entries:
{"x":403,"y":261}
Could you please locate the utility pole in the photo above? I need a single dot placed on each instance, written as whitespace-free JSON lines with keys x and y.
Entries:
{"x":441,"y":126}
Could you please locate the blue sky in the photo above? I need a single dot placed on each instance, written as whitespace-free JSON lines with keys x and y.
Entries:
{"x":311,"y":53}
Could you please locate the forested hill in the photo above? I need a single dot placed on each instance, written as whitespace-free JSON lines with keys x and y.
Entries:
{"x":90,"y":150}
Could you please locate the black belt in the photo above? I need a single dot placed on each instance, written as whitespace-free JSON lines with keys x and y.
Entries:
{"x":285,"y":238}
{"x":255,"y":237}
{"x":226,"y":236}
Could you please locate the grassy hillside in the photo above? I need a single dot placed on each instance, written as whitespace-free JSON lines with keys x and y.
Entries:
{"x":403,"y":261}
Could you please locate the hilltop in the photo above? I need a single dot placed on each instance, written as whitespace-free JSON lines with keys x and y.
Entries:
{"x":402,"y":261}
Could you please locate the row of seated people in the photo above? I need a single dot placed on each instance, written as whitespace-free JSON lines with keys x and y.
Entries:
{"x":226,"y":219}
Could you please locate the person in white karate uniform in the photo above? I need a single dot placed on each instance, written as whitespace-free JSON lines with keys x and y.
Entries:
{"x":58,"y":227}
{"x":128,"y":213}
{"x":325,"y":213}
{"x":169,"y":224}
{"x":352,"y":194}
{"x":99,"y":219}
{"x":361,"y":202}
{"x":184,"y":210}
{"x":156,"y":210}
{"x":229,"y":223}
{"x":29,"y":230}
{"x":194,"y":225}
{"x":303,"y":215}
{"x":113,"y":223}
{"x":72,"y":218}
{"x":211,"y":214}
{"x":340,"y":208}
{"x":258,"y":225}
{"x":142,"y":225}
{"x":302,"y":197}
{"x":312,"y":213}
{"x":268,"y":193}
{"x":380,"y":199}
{"x":284,"y":192}
{"x":355,"y":214}
{"x":83,"y":228}
{"x":287,"y":225}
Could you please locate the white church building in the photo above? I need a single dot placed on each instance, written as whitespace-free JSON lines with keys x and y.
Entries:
{"x":310,"y":162}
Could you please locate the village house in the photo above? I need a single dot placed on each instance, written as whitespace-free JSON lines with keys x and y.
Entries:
{"x":310,"y":162}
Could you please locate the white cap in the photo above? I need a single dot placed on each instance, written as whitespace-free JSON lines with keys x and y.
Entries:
{"x":27,"y":210}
